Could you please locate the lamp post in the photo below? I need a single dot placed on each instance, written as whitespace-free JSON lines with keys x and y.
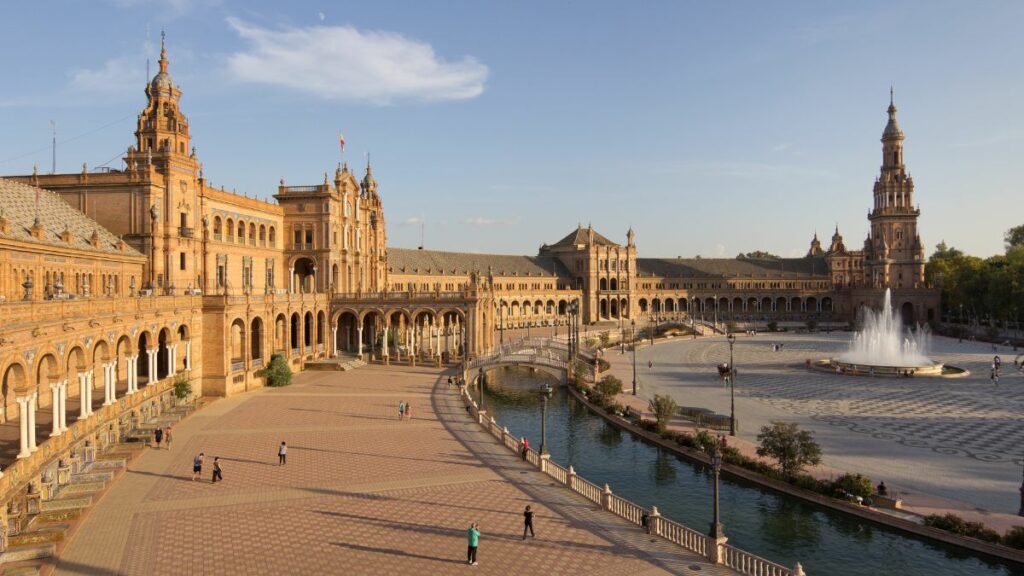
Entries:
{"x":501,"y":323}
{"x":632,"y":339}
{"x":545,"y":393}
{"x":1020,"y":512}
{"x":480,"y":383}
{"x":716,"y":311}
{"x":716,"y":465}
{"x":732,"y":387}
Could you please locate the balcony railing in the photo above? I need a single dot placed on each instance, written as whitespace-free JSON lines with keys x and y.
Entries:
{"x":186,"y":232}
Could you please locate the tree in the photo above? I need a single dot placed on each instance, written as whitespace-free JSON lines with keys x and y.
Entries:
{"x":757,"y":255}
{"x":1014,"y":236}
{"x":608,"y":387}
{"x":790,"y":446}
{"x":856,"y":484}
{"x":277,"y":373}
{"x":605,"y":337}
{"x":182,"y":387}
{"x":664,"y":408}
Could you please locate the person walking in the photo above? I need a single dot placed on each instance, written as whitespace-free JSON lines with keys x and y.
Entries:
{"x":282,"y":454}
{"x":158,"y":436}
{"x":528,"y":522}
{"x":167,"y":437}
{"x":217,"y":475}
{"x":408,"y":411}
{"x":401,"y":410}
{"x":197,"y":466}
{"x":525,"y":447}
{"x":449,"y":382}
{"x":474,"y":542}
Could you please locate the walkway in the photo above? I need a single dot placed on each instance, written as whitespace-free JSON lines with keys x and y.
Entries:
{"x":942,"y":444}
{"x":362,"y":493}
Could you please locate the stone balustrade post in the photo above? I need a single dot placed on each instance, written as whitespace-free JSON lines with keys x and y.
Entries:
{"x":606,"y":498}
{"x":798,"y":570}
{"x":655,"y":521}
{"x":569,"y":477}
{"x":83,"y":396}
{"x":542,"y":462}
{"x":481,"y":415}
{"x":504,"y":435}
{"x":716,"y":549}
{"x":54,"y":409}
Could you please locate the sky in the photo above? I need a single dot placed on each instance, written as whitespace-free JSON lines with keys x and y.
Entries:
{"x":711,"y":128}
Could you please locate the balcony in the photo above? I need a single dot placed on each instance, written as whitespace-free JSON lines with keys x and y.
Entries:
{"x":185,"y":232}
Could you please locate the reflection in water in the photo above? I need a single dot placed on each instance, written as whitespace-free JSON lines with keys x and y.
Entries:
{"x":756,"y":520}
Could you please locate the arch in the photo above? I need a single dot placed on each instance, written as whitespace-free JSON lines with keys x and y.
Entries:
{"x":514,"y":309}
{"x":252,"y":233}
{"x":613,"y":284}
{"x":737,"y":304}
{"x":15,"y":382}
{"x":217,"y":225}
{"x":670,"y":305}
{"x":163,"y":368}
{"x":602,"y":284}
{"x":684,"y":305}
{"x":256,"y":338}
{"x":263,"y":234}
{"x":142,"y":365}
{"x":549,"y":307}
{"x":75,"y":362}
{"x":781,"y":304}
{"x":307,"y":329}
{"x":122,"y":350}
{"x":643,"y":305}
{"x":826,"y":304}
{"x":766,"y":304}
{"x":613,"y":307}
{"x":811,"y":303}
{"x":348,"y":322}
{"x":563,"y":307}
{"x":709,"y":304}
{"x":280,"y":332}
{"x":241,"y":231}
{"x":293,"y":341}
{"x":320,"y":321}
{"x":907,"y":313}
{"x":794,"y":304}
{"x":229,"y":228}
{"x":237,"y":340}
{"x":624,"y":307}
{"x":305,"y":275}
{"x":272,"y":237}
{"x":723,"y":304}
{"x":752,"y":304}
{"x":603,"y":308}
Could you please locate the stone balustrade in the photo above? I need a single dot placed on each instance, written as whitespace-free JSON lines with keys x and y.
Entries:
{"x":683,"y":536}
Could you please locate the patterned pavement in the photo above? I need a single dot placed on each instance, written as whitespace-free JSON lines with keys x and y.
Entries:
{"x":362,"y":493}
{"x":960,"y":438}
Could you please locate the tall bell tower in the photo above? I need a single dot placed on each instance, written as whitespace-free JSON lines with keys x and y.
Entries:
{"x":893,"y":251}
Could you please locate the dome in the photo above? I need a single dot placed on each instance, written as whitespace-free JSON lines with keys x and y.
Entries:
{"x":161,"y":83}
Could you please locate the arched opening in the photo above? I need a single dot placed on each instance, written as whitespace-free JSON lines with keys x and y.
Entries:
{"x":142,"y":364}
{"x":183,"y":358}
{"x":348,"y":333}
{"x":320,"y":327}
{"x":602,"y":284}
{"x":766,"y":305}
{"x":613,"y":284}
{"x":684,"y":305}
{"x":670,"y":305}
{"x":237,"y":344}
{"x":307,"y":331}
{"x":811,"y":304}
{"x":305,"y":275}
{"x":907,"y":313}
{"x":47,"y":372}
{"x":280,"y":333}
{"x":795,"y":305}
{"x":15,"y":382}
{"x":826,"y":304}
{"x":229,"y":226}
{"x":121,"y":354}
{"x":624,"y":307}
{"x":272,"y":237}
{"x":294,"y":339}
{"x":76,"y":365}
{"x":643,"y":305}
{"x":614,"y":308}
{"x":563,"y":307}
{"x":163,"y":367}
{"x":602,"y":307}
{"x":256,"y":339}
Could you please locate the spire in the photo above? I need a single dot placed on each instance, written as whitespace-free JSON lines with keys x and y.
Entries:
{"x":163,"y":53}
{"x":892,"y":128}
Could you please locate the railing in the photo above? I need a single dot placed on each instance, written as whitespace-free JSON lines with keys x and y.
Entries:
{"x":238,"y":366}
{"x":707,"y":547}
{"x":218,"y":236}
{"x":257,"y":363}
{"x":185,"y":232}
{"x":299,"y":188}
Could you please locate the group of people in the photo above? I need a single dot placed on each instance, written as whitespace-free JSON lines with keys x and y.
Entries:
{"x":473,"y":535}
{"x":404,"y":410}
{"x":218,"y":471}
{"x":163,"y":435}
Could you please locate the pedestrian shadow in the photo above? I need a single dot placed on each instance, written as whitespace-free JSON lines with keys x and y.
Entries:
{"x":80,"y":568}
{"x":170,"y":476}
{"x":345,"y":414}
{"x":247,"y":461}
{"x":464,"y":462}
{"x":395,"y":552}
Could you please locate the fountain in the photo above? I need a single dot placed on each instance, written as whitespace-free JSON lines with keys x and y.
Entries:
{"x":885,"y":348}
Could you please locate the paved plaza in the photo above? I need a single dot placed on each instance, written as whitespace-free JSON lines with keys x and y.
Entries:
{"x":959,"y":438}
{"x":361,"y":493}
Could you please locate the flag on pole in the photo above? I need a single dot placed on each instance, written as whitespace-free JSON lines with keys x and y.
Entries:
{"x":341,"y":141}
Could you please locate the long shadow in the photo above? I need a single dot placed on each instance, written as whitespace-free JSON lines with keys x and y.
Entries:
{"x":247,"y":461}
{"x":346,"y":414}
{"x":666,"y":561}
{"x":79,"y":568}
{"x":395,"y":552}
{"x":170,"y":476}
{"x":386,"y":456}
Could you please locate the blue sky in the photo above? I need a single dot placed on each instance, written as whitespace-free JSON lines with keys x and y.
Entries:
{"x":710,"y":127}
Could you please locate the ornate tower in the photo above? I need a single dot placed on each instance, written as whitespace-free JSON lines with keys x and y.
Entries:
{"x":894,"y":254}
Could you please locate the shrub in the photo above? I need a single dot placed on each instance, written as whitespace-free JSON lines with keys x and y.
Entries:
{"x":812,"y":325}
{"x":957,"y":525}
{"x":664,"y":407}
{"x":1014,"y":537}
{"x":791,"y":447}
{"x":773,"y":326}
{"x":182,"y":387}
{"x":608,"y":387}
{"x":705,"y":441}
{"x":855,"y":484}
{"x":605,"y":338}
{"x":277,"y":373}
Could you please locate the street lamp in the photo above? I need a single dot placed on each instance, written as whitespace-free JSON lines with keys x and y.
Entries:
{"x":480,"y":383}
{"x":716,"y":465}
{"x":632,"y":339}
{"x":501,"y":323}
{"x":732,"y":387}
{"x":545,"y":393}
{"x":1021,"y":511}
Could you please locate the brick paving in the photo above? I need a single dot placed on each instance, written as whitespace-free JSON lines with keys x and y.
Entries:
{"x":362,"y":493}
{"x":943,"y":444}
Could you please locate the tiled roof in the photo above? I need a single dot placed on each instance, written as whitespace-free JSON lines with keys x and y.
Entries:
{"x":18,"y":202}
{"x":410,"y":261}
{"x":732,"y":267}
{"x":581,"y":235}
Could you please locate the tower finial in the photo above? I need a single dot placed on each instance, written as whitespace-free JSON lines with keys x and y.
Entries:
{"x":890,"y":95}
{"x":163,"y":52}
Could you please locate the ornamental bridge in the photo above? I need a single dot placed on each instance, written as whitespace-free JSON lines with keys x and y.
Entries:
{"x":545,"y":354}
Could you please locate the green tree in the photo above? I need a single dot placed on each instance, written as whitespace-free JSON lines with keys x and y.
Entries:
{"x":790,"y":446}
{"x":608,"y":387}
{"x":605,"y":337}
{"x":182,"y":386}
{"x":856,"y":484}
{"x":758,"y":255}
{"x":277,"y":373}
{"x":1014,"y":237}
{"x":664,"y":408}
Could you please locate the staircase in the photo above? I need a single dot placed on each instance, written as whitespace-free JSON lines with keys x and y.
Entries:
{"x":42,"y":531}
{"x":342,"y":363}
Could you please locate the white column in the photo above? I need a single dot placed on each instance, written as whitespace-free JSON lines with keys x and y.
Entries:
{"x":334,"y":341}
{"x":89,"y":390}
{"x":360,"y":329}
{"x":64,"y":405}
{"x":133,"y":373}
{"x":109,"y":376}
{"x":291,"y":280}
{"x":172,"y":359}
{"x":83,"y":396}
{"x":23,"y":409}
{"x":385,"y":342}
{"x":55,"y":408}
{"x":188,"y":354}
{"x":32,"y":403}
{"x":151,"y":357}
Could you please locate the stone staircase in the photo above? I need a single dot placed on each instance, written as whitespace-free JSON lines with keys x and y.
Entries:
{"x":42,"y":531}
{"x":341,"y":363}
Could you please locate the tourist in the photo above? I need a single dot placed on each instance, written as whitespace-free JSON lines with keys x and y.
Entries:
{"x":408,"y":410}
{"x":525,"y":447}
{"x":167,"y":437}
{"x":474,"y":542}
{"x":449,"y":382}
{"x":650,"y":364}
{"x":645,"y":522}
{"x":401,"y":410}
{"x":216,"y":470}
{"x":282,"y":454}
{"x":158,"y":436}
{"x":197,"y":466}
{"x":882,"y":490}
{"x":528,"y":522}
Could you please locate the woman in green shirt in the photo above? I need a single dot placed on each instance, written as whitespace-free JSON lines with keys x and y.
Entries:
{"x":474,"y":540}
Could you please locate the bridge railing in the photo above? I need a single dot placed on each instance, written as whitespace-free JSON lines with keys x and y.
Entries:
{"x":683,"y":536}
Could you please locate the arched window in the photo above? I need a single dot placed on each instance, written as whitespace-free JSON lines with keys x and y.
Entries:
{"x":273,"y":236}
{"x":241,"y":231}
{"x":252,"y":233}
{"x":230,"y":224}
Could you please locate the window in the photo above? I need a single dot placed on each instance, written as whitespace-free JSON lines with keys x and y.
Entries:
{"x":309,"y":238}
{"x":298,"y":239}
{"x":182,"y":259}
{"x":184,"y":220}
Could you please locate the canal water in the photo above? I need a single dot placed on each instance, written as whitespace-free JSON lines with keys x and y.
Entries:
{"x":765,"y":523}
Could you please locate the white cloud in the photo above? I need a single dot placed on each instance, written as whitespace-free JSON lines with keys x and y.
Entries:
{"x":171,"y":7}
{"x":413,"y":221}
{"x":321,"y":16}
{"x":122,"y":75}
{"x":343,"y":63}
{"x":482,"y":221}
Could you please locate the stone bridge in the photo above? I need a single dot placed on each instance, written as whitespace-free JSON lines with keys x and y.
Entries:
{"x":545,"y":354}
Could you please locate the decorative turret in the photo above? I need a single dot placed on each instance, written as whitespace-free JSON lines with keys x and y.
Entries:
{"x":815,"y":249}
{"x":369,"y":185}
{"x":630,"y":237}
{"x":837,"y":246}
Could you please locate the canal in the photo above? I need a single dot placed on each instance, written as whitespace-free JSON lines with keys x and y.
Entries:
{"x":765,"y":523}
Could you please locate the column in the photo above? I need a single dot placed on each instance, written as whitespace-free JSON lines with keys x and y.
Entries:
{"x":360,"y":338}
{"x":385,"y":341}
{"x":32,"y":403}
{"x":88,"y":391}
{"x":23,"y":425}
{"x":172,"y":359}
{"x":109,"y":377}
{"x":334,"y":341}
{"x":63,"y":405}
{"x":55,"y":408}
{"x":151,"y":357}
{"x":83,"y":396}
{"x":291,"y":280}
{"x":133,"y":373}
{"x":188,"y":354}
